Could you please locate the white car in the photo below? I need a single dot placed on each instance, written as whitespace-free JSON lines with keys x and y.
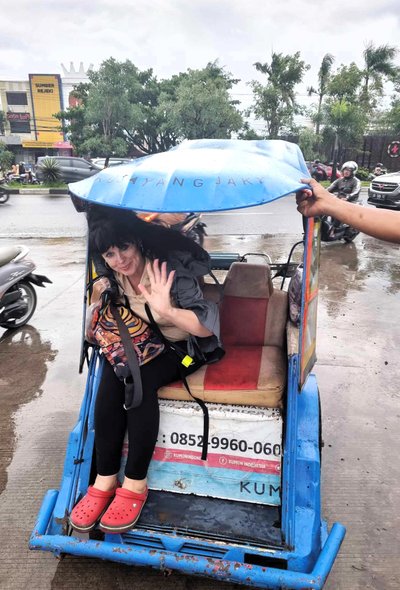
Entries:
{"x":384,"y":191}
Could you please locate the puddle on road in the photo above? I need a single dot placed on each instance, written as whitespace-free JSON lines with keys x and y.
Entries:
{"x":346,"y":270}
{"x":24,"y":359}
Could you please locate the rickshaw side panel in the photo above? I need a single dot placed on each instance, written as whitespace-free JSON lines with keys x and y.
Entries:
{"x":309,"y":304}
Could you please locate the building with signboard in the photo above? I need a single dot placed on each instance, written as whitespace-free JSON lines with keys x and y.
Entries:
{"x":71,"y":77}
{"x":31,"y":130}
{"x":16,"y":103}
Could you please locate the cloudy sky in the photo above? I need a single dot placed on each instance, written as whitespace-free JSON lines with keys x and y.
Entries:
{"x":173,"y":35}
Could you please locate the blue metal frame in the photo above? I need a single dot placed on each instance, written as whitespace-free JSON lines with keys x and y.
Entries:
{"x":228,"y":570}
{"x":308,"y":552}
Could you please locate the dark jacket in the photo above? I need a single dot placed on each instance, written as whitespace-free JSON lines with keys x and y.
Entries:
{"x":350,"y":187}
{"x":187,"y":294}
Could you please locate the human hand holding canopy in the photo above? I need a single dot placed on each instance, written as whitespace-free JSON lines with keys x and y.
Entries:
{"x":314,"y":201}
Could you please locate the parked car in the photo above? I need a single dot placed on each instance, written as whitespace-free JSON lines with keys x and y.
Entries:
{"x":111,"y":162}
{"x":384,"y":191}
{"x":71,"y":169}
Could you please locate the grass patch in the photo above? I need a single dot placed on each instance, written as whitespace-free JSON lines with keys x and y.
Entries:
{"x":326,"y":183}
{"x":34,"y":187}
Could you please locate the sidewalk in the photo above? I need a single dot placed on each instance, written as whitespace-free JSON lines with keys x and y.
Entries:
{"x":36,"y":190}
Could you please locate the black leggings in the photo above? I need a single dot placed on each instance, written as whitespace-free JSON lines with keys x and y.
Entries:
{"x":112,"y":420}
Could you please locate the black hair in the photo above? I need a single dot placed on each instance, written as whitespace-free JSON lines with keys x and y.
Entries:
{"x":109,"y":227}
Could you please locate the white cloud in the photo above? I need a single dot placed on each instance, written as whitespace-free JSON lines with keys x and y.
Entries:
{"x":172,"y":35}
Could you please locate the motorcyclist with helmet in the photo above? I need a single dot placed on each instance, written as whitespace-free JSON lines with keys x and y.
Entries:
{"x":348,"y":186}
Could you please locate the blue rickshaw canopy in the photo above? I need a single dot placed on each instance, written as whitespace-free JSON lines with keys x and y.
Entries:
{"x":200,"y":175}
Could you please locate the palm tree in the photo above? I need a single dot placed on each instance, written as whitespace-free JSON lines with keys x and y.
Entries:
{"x":276,"y":101}
{"x":284,"y":72}
{"x":378,"y":65}
{"x":323,"y":80}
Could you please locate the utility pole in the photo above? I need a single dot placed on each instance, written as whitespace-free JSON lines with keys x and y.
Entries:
{"x":335,"y":156}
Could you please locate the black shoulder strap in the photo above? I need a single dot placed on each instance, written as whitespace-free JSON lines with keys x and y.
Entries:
{"x":133,"y":389}
{"x":220,"y":287}
{"x":181,"y":356}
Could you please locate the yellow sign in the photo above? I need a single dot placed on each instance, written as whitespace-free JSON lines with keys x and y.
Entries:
{"x":37,"y":144}
{"x":46,"y":100}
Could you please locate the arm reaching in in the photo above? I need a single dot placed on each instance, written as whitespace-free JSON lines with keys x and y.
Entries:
{"x":378,"y":223}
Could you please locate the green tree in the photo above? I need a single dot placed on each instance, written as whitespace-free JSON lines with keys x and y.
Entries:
{"x":344,"y":118}
{"x":6,"y":157}
{"x":348,"y":120}
{"x":248,"y":133}
{"x":149,"y":131}
{"x":275,"y":102}
{"x":378,"y":67}
{"x":307,"y":142}
{"x":117,"y":112}
{"x":123,"y":109}
{"x":345,"y":83}
{"x":392,"y":117}
{"x":201,"y":106}
{"x":324,"y":75}
{"x":72,"y":120}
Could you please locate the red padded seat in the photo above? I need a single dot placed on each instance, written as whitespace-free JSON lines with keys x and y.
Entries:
{"x":253,"y":323}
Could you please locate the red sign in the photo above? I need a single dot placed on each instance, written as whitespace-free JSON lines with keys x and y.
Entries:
{"x":63,"y":145}
{"x":18,"y":116}
{"x":394,"y":149}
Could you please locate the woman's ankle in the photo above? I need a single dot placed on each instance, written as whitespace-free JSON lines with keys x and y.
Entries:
{"x":106,"y":483}
{"x":139,"y":486}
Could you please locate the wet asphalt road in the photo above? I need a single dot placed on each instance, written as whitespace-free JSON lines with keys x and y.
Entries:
{"x":357,"y":370}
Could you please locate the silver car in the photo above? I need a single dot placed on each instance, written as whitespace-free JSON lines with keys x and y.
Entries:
{"x":384,"y":191}
{"x":71,"y":168}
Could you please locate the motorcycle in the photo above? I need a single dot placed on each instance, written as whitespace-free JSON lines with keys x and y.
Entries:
{"x":330,"y":232}
{"x":28,"y":177}
{"x":17,"y":294}
{"x":188,"y":224}
{"x":4,"y":194}
{"x":334,"y":231}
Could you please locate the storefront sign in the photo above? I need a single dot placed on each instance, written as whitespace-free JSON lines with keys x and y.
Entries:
{"x":18,"y":116}
{"x":37,"y":144}
{"x":394,"y":149}
{"x":46,"y":101}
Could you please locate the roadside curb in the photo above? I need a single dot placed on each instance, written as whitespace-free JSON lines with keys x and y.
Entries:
{"x":37,"y":191}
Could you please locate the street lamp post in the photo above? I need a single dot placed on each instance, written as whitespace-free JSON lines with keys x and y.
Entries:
{"x":335,"y":156}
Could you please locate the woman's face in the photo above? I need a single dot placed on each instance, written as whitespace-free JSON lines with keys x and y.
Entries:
{"x":126,"y":260}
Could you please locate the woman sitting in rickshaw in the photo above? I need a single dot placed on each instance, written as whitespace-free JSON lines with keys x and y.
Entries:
{"x":159,"y":267}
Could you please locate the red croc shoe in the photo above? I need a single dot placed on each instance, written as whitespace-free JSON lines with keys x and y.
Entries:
{"x":123,"y":512}
{"x":89,"y":510}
